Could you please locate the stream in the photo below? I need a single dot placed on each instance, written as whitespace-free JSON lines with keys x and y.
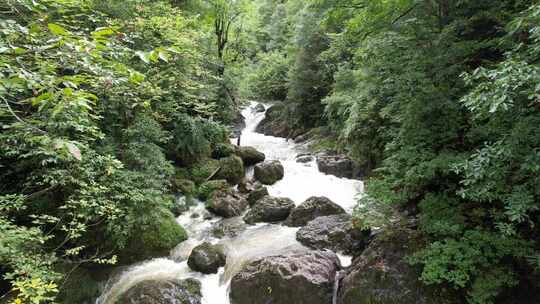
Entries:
{"x":301,"y":181}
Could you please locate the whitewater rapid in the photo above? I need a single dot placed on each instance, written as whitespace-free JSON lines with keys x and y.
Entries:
{"x":301,"y":181}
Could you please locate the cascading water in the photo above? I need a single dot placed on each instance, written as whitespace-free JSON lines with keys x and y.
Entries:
{"x":301,"y":181}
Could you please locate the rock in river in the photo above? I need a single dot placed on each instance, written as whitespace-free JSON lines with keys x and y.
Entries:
{"x":163,"y":292}
{"x":269,"y":172}
{"x":312,"y":208}
{"x":269,"y":209}
{"x":338,"y":165}
{"x":299,"y":278}
{"x":206,"y":258}
{"x":334,"y":232}
{"x":250,"y":155}
{"x":227,"y":203}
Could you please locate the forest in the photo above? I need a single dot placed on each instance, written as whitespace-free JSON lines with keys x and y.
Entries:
{"x":123,"y":139}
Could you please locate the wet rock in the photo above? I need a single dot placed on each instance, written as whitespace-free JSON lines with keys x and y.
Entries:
{"x":250,"y":155}
{"x":154,"y":237}
{"x":226,"y":203}
{"x":274,"y":123}
{"x":299,"y":278}
{"x":208,"y":188}
{"x":229,"y":227}
{"x":301,"y":138}
{"x":256,"y":194}
{"x":163,"y":292}
{"x":206,"y":258}
{"x":259,"y":108}
{"x":304,"y":159}
{"x":312,"y":208}
{"x":231,"y":169}
{"x":334,"y":232}
{"x":269,"y":209}
{"x":338,"y":165}
{"x":269,"y":172}
{"x":381,"y":274}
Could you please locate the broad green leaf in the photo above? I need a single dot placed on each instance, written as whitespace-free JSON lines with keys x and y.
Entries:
{"x":57,"y":29}
{"x":144,"y":56}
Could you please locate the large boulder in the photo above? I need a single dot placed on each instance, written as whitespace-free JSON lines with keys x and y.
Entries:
{"x":231,"y":169}
{"x":334,"y":232}
{"x":299,"y":278}
{"x":163,"y":292}
{"x":274,"y":123}
{"x":269,"y":209}
{"x":312,"y":208}
{"x":269,"y":172}
{"x":154,"y":236}
{"x":226,"y":203}
{"x":256,"y":194}
{"x":250,"y":155}
{"x":338,"y":165}
{"x":206,"y":258}
{"x":381,"y":274}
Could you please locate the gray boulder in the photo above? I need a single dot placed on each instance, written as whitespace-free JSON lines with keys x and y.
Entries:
{"x":163,"y":292}
{"x":338,"y":165}
{"x":256,"y":194}
{"x":250,"y":155}
{"x":381,"y":274}
{"x":269,"y":209}
{"x":299,"y":278}
{"x":274,"y":122}
{"x":206,"y":258}
{"x":226,"y":203}
{"x":269,"y":172}
{"x":334,"y":232}
{"x":312,"y":208}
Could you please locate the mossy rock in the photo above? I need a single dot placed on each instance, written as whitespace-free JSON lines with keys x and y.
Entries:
{"x":208,"y":188}
{"x":201,"y":171}
{"x":80,"y":276}
{"x":250,"y":156}
{"x":184,"y":186}
{"x":231,"y":169}
{"x":223,"y":150}
{"x":155,"y":236}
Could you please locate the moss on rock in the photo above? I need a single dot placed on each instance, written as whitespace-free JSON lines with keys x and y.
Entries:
{"x":208,"y":188}
{"x":202,"y":170}
{"x":231,"y":169}
{"x":155,"y":236}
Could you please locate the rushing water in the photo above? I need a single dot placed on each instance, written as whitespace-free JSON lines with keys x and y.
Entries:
{"x":301,"y":181}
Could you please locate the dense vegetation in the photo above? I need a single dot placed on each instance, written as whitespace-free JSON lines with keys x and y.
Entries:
{"x":109,"y":107}
{"x":99,"y":100}
{"x":439,"y":102}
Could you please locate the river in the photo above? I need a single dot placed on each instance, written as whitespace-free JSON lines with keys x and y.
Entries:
{"x":301,"y":181}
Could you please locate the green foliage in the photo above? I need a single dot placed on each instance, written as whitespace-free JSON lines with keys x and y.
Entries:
{"x":98,"y":99}
{"x":268,"y":78}
{"x":309,"y":79}
{"x":441,"y":107}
